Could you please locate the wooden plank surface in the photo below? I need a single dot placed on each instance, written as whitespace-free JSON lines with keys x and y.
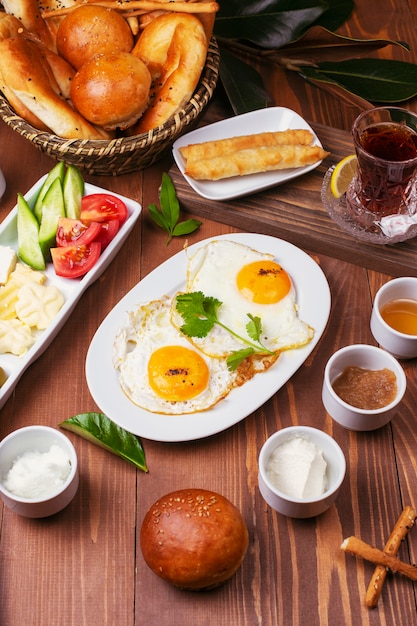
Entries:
{"x":294,"y":212}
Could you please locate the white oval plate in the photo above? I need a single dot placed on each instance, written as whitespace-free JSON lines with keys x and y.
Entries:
{"x":71,"y":288}
{"x":264,"y":120}
{"x":313,"y":297}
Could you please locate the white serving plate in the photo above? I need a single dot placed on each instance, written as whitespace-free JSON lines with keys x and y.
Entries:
{"x":313,"y":297}
{"x":71,"y":288}
{"x":263,"y":120}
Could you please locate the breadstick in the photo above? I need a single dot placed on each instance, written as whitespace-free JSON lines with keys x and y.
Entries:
{"x":357,"y":547}
{"x":220,"y":147}
{"x":254,"y":160}
{"x":404,"y":523}
{"x":136,"y":7}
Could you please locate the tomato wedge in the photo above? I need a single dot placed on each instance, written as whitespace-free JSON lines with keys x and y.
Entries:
{"x":75,"y":261}
{"x":73,"y":232}
{"x":107,"y":232}
{"x":102,"y":207}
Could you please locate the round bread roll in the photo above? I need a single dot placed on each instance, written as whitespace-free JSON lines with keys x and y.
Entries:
{"x":194,"y":539}
{"x":92,"y":29}
{"x":174,"y":48}
{"x":111,"y":90}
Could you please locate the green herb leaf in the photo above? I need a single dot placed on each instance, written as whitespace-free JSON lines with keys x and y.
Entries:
{"x":199,"y":313}
{"x":186,"y":227}
{"x":236,"y":358}
{"x":99,"y":429}
{"x":254,"y":327}
{"x":168,"y":215}
{"x":158,"y":217}
{"x":170,"y":206}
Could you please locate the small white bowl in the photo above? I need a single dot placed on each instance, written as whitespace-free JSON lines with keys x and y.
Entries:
{"x":335,"y":473}
{"x":366,"y":357}
{"x":37,"y":438}
{"x":2,"y":184}
{"x":399,"y":344}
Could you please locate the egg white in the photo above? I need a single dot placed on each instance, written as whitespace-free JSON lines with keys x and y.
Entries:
{"x":146,"y":329}
{"x":213,"y":270}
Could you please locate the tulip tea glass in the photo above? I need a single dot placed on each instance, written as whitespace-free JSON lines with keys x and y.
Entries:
{"x":385,"y":140}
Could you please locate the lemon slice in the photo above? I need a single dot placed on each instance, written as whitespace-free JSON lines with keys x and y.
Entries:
{"x":343,"y":174}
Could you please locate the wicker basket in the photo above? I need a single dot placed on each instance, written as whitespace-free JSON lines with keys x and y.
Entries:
{"x":123,"y":154}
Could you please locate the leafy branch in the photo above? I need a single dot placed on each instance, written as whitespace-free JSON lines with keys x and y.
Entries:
{"x":167,"y":216}
{"x":299,"y":36}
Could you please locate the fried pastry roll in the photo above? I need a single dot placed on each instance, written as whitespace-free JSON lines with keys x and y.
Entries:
{"x":220,"y":147}
{"x":254,"y":160}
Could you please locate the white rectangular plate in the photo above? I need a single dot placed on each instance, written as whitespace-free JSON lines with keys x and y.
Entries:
{"x":264,"y":120}
{"x":313,"y":298}
{"x":71,"y":288}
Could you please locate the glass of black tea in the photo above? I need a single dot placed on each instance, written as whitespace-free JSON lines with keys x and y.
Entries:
{"x":385,"y":140}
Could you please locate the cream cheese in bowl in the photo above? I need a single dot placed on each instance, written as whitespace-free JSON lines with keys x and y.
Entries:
{"x":297,"y":468}
{"x":301,"y":471}
{"x":39,"y":473}
{"x":36,"y":474}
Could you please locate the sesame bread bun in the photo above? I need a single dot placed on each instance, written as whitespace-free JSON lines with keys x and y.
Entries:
{"x":194,"y":539}
{"x":90,"y":30}
{"x":111,"y":90}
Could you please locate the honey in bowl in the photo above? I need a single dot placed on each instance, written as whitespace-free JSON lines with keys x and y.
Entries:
{"x":401,"y":315}
{"x":366,"y":389}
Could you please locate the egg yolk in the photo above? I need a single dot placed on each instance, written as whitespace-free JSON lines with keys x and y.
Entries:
{"x":177,"y":373}
{"x":263,"y":282}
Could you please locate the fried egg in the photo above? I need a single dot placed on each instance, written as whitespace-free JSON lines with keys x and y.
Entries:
{"x":161,"y":371}
{"x":246,"y":282}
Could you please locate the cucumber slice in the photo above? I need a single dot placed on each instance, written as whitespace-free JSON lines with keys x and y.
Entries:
{"x":73,"y":192}
{"x":52,"y":209}
{"x":29,"y":249}
{"x":58,"y":171}
{"x":99,"y":429}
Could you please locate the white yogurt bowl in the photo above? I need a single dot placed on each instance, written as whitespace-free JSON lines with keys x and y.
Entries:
{"x":38,"y":439}
{"x":366,"y":357}
{"x":335,"y":473}
{"x":399,"y":344}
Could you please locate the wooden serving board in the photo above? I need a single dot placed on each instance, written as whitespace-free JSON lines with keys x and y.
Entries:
{"x":294,"y":212}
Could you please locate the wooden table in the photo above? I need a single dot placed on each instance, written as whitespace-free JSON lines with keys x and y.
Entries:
{"x":84,"y":565}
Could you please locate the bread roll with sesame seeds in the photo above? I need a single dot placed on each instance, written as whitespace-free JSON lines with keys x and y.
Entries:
{"x":194,"y":539}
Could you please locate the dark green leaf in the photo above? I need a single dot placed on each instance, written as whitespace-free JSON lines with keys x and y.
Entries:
{"x":242,"y":84}
{"x":99,"y":429}
{"x":375,"y":80}
{"x":270,"y":24}
{"x":336,"y":14}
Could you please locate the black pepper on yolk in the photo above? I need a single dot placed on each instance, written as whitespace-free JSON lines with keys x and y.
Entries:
{"x":177,"y":373}
{"x":263,"y":282}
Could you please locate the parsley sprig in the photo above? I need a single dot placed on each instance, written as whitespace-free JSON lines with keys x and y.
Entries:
{"x":168,"y":215}
{"x":199,"y":314}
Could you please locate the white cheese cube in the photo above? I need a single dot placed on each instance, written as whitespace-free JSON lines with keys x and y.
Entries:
{"x":7,"y":263}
